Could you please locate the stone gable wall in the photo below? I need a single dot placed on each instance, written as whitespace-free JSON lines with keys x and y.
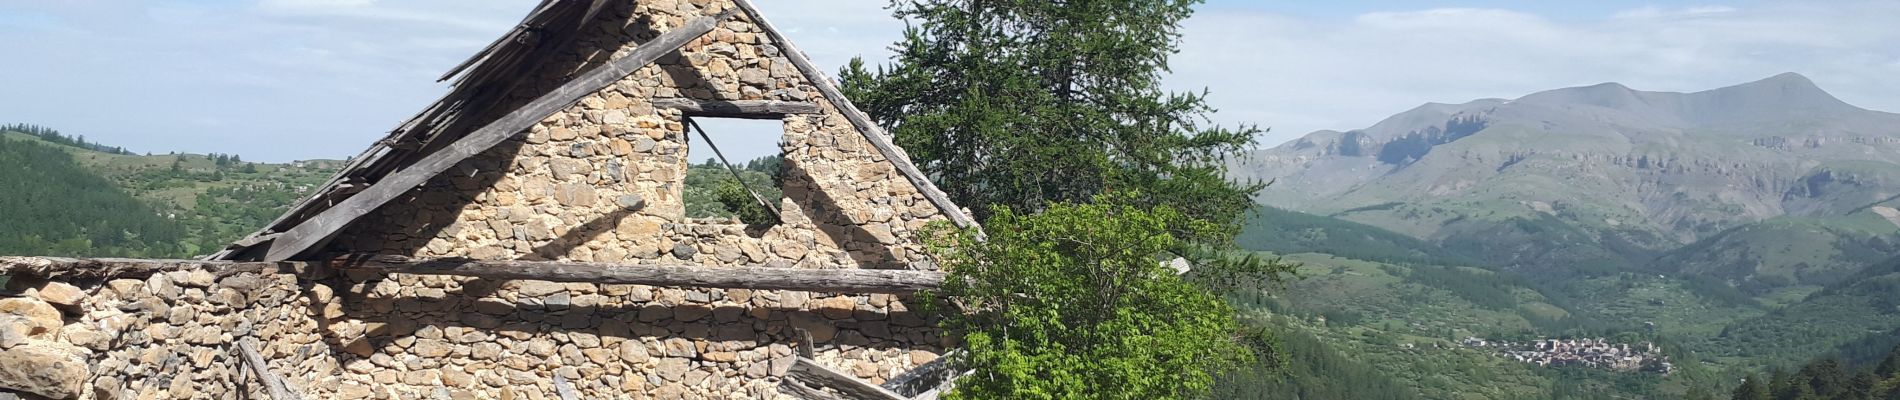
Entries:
{"x":600,"y":181}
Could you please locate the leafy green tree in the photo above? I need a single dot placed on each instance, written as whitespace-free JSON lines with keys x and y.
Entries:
{"x":736,"y":198}
{"x":1022,"y":104}
{"x":1751,"y":389}
{"x":1073,"y":303}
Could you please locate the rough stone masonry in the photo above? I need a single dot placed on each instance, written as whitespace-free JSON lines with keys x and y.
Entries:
{"x":599,"y":181}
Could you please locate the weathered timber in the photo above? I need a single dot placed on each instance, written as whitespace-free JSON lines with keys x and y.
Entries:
{"x":761,"y":278}
{"x":798,"y":390}
{"x":273,"y":384}
{"x":74,"y":269}
{"x":321,"y":227}
{"x":868,"y":128}
{"x":671,"y":275}
{"x":931,"y":376}
{"x":805,"y":348}
{"x":747,"y":109}
{"x":806,"y":372}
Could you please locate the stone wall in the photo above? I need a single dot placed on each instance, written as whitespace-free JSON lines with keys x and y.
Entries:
{"x":162,"y":337}
{"x":600,"y":181}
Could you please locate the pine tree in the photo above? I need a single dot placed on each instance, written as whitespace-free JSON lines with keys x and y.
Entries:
{"x":1751,"y":389}
{"x":1828,"y":378}
{"x":1890,"y":366}
{"x":1027,"y":103}
{"x":1782,"y":385}
{"x":1859,"y":387}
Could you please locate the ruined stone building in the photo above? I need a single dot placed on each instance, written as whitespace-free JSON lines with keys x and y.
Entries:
{"x":597,"y":180}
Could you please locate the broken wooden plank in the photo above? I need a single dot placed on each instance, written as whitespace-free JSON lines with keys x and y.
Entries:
{"x":296,"y":241}
{"x":747,"y":109}
{"x":807,"y":372}
{"x":931,"y":376}
{"x":868,"y":128}
{"x":273,"y":384}
{"x":798,"y":390}
{"x":670,"y":275}
{"x":805,"y":347}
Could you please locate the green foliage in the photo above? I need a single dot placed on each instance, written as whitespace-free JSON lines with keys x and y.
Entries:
{"x":1751,"y":389}
{"x":1075,"y":303}
{"x":1021,"y":104}
{"x":197,"y":205}
{"x":736,"y":198}
{"x":53,"y":136}
{"x":1305,"y":367}
{"x":1825,"y":379}
{"x":1483,"y":288}
{"x":710,"y":190}
{"x":54,"y":206}
{"x":1289,"y":232}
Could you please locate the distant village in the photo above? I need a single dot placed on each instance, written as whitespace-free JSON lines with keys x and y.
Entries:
{"x":1588,"y":352}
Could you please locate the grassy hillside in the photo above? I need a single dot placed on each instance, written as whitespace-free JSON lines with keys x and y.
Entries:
{"x":1405,"y":322}
{"x":56,"y":206}
{"x":210,"y":199}
{"x":1783,"y":259}
{"x":1854,"y":313}
{"x":1289,"y":232}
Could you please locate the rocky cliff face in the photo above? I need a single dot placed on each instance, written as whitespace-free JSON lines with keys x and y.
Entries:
{"x":1597,"y":174}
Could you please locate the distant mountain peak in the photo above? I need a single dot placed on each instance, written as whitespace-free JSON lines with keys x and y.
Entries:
{"x":1788,"y":78}
{"x":1790,"y":88}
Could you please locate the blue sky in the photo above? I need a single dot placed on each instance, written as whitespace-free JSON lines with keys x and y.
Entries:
{"x":278,"y":80}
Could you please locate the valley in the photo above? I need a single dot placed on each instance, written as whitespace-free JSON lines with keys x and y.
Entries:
{"x":1737,"y":231}
{"x":1741,"y":229}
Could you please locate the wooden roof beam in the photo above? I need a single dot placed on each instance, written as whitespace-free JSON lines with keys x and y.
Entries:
{"x":318,"y":229}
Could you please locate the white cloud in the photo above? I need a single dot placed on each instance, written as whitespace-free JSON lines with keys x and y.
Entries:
{"x":287,"y":79}
{"x":314,"y":5}
{"x":1301,"y":75}
{"x":1653,"y":12}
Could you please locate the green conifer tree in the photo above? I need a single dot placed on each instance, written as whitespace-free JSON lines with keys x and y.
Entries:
{"x":1022,"y":104}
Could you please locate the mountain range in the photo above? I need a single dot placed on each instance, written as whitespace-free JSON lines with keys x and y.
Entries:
{"x":1744,"y":227}
{"x":1608,"y":178}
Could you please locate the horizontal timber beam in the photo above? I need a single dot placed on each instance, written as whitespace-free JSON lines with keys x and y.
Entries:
{"x":670,"y":275}
{"x":747,"y":109}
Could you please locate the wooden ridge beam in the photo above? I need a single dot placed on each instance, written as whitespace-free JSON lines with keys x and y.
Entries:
{"x":869,"y":129}
{"x":747,"y":109}
{"x":308,"y":234}
{"x":670,"y":275}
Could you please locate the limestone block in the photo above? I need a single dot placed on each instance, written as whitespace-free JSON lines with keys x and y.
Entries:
{"x":40,"y":319}
{"x":60,"y":294}
{"x":45,"y":369}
